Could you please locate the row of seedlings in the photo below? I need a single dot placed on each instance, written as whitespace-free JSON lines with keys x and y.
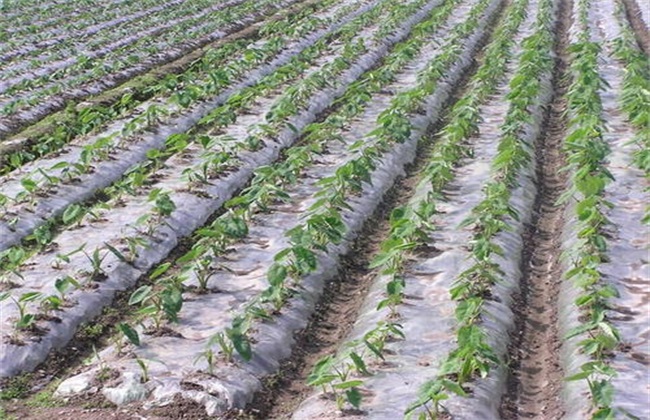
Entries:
{"x":216,"y":69}
{"x":604,"y":241}
{"x":586,"y":243}
{"x":40,"y":94}
{"x":496,"y":222}
{"x":162,"y":207}
{"x":410,"y":227}
{"x":635,"y":93}
{"x":247,"y":285}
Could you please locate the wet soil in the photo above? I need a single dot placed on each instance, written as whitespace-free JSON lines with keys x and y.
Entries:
{"x":535,"y":379}
{"x":336,"y":314}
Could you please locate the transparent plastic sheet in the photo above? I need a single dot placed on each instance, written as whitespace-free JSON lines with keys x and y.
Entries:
{"x":628,"y":241}
{"x":628,"y":268}
{"x":645,"y":12}
{"x":107,"y":172}
{"x":54,"y":103}
{"x":189,"y":215}
{"x":575,"y":394}
{"x":390,"y":398}
{"x":498,"y":320}
{"x":102,"y":51}
{"x":273,"y":340}
{"x":419,"y":359}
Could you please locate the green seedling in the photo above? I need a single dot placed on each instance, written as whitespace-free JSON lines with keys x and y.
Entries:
{"x":25,"y":319}
{"x":62,"y":259}
{"x":96,"y":260}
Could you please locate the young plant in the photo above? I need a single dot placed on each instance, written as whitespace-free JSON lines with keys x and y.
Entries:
{"x":210,"y":356}
{"x":96,"y":260}
{"x":144,"y":368}
{"x":64,"y":284}
{"x":25,"y":319}
{"x":162,"y":301}
{"x":62,"y":259}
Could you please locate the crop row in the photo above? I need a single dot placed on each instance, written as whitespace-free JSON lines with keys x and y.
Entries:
{"x":160,"y":201}
{"x":85,"y":160}
{"x":196,"y":83}
{"x":37,"y":44}
{"x":404,"y":55}
{"x":594,"y":153}
{"x":635,"y":94}
{"x":586,"y":152}
{"x":147,"y":47}
{"x":411,"y":224}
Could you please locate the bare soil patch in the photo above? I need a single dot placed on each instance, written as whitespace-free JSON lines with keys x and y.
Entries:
{"x":536,"y":376}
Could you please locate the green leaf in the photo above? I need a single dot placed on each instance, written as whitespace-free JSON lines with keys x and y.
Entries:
{"x":26,"y":321}
{"x":234,"y":226}
{"x":349,"y":384}
{"x":130,"y":333}
{"x":277,"y":274}
{"x":147,"y":310}
{"x":172,"y":300}
{"x":140,"y":295}
{"x":160,"y":270}
{"x":373,"y":349}
{"x":29,"y":296}
{"x":603,"y":392}
{"x":116,"y":252}
{"x":604,"y":414}
{"x":243,"y":346}
{"x":72,"y":213}
{"x":453,"y":387}
{"x":319,"y":373}
{"x":578,"y":376}
{"x":63,"y":284}
{"x":354,"y":397}
{"x":359,"y":363}
{"x":28,"y":184}
{"x":305,"y":259}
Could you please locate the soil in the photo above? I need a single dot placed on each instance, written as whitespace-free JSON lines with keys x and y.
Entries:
{"x":43,"y":124}
{"x":97,"y":409}
{"x":332,"y":320}
{"x":633,"y":12}
{"x":60,"y":363}
{"x":536,"y":377}
{"x":339,"y":308}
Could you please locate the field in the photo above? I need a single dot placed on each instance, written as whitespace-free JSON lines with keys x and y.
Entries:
{"x":321,"y":209}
